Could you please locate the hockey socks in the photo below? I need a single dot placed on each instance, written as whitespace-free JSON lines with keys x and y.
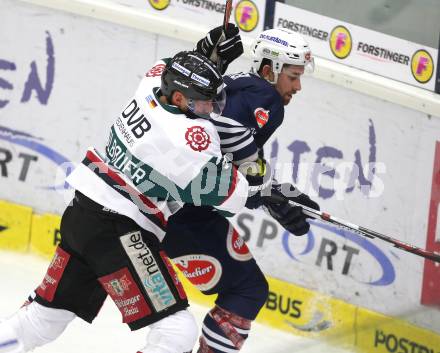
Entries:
{"x":223,"y":331}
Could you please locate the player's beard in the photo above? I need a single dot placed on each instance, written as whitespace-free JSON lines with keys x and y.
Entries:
{"x":287,"y":98}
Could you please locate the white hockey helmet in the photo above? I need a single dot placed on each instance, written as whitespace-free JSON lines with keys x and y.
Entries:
{"x":281,"y":46}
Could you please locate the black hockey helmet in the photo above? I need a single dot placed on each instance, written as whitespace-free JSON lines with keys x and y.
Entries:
{"x":198,"y":79}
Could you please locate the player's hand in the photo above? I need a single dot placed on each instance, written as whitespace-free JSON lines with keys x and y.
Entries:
{"x":259,"y":176}
{"x":225,"y":45}
{"x":290,"y":217}
{"x":291,"y":193}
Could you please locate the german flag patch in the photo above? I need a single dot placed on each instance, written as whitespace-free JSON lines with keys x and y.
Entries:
{"x":151,"y":102}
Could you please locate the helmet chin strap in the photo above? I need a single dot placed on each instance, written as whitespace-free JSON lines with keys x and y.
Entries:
{"x":275,"y":76}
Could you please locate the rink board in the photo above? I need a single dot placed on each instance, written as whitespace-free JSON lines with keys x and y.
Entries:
{"x":45,"y":234}
{"x":15,"y":226}
{"x":289,"y":307}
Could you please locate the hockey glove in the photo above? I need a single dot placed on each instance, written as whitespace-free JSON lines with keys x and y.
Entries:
{"x":225,"y":45}
{"x":290,"y":217}
{"x":291,"y":193}
{"x":259,"y":176}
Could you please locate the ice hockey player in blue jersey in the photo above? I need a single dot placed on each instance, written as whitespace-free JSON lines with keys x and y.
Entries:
{"x":201,"y":241}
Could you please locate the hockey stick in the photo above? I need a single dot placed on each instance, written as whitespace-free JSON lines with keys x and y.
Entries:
{"x":226,"y":17}
{"x":323,"y":216}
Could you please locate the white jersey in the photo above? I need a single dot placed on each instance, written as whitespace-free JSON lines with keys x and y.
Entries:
{"x":156,"y":159}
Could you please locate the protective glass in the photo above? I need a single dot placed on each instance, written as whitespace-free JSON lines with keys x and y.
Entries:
{"x":208,"y":109}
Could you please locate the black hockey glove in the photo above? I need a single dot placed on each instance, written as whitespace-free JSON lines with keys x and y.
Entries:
{"x":289,"y":216}
{"x":259,"y":177}
{"x":291,"y":193}
{"x":225,"y":45}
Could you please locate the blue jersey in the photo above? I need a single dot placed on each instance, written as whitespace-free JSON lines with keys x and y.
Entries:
{"x":254,"y":110}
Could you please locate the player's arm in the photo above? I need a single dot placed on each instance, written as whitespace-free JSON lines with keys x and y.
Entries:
{"x":237,"y":140}
{"x":219,"y":184}
{"x":216,"y":183}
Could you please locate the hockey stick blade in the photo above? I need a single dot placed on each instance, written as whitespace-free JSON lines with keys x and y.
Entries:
{"x":326,"y":217}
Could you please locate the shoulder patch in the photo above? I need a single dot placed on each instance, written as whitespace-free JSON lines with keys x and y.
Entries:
{"x":197,"y":138}
{"x":236,"y":246}
{"x":155,"y":70}
{"x":261,"y":116}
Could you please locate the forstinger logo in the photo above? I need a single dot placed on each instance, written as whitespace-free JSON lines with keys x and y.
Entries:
{"x":340,"y":42}
{"x":246,"y":15}
{"x":159,"y":4}
{"x":422,"y":66}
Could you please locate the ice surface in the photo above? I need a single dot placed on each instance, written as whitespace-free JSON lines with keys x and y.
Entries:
{"x":21,"y":273}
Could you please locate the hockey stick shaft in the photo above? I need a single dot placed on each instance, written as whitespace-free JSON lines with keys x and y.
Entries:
{"x":326,"y":217}
{"x":226,"y":17}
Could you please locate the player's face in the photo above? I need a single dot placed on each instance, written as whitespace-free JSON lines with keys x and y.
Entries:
{"x":196,"y":106}
{"x":289,"y":82}
{"x":203,"y":107}
{"x":206,"y":109}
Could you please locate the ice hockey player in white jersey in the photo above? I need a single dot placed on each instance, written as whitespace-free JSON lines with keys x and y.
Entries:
{"x":162,"y":152}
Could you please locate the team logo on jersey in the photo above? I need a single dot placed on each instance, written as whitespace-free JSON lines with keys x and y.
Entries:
{"x":57,"y":262}
{"x":422,"y":66}
{"x":159,"y":4}
{"x":126,"y":294}
{"x":197,"y":138}
{"x":156,"y":70}
{"x":262,"y":116}
{"x":52,"y":278}
{"x":236,"y":246}
{"x":202,"y":271}
{"x":246,"y":15}
{"x":340,"y":42}
{"x":117,"y":286}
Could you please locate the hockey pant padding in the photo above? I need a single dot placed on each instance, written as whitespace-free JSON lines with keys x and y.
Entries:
{"x":223,"y":331}
{"x":35,"y":325}
{"x":176,"y":333}
{"x":200,"y":231}
{"x":248,"y":297}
